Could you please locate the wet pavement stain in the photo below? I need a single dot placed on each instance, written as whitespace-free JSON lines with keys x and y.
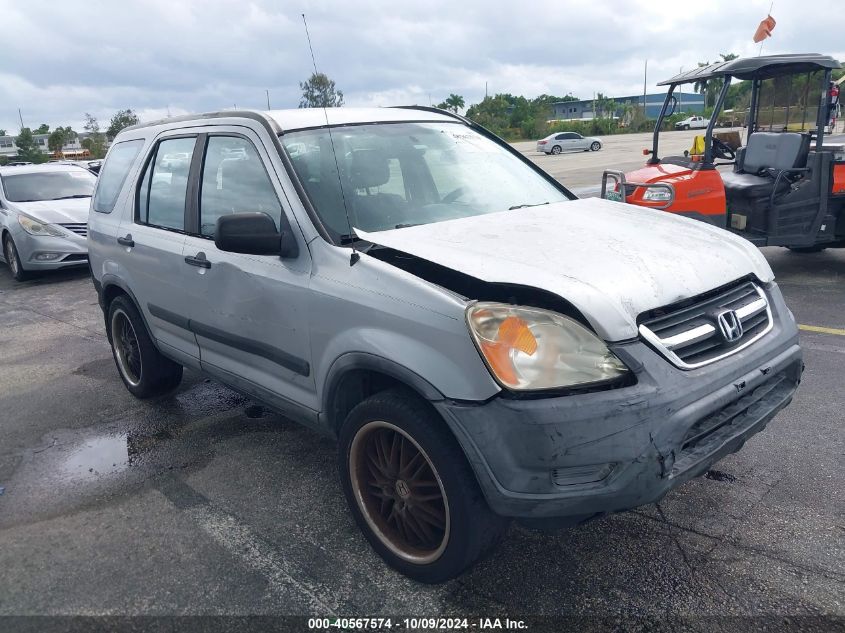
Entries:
{"x":718,"y":475}
{"x":101,"y":369}
{"x":97,"y":456}
{"x":74,"y":468}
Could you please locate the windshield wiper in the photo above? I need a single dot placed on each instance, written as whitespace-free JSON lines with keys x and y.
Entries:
{"x":76,"y":195}
{"x":405,"y":226}
{"x":523,"y":206}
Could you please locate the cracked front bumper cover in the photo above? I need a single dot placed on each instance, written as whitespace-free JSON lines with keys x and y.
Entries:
{"x":645,"y":439}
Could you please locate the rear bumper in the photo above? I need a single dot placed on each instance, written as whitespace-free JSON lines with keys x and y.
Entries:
{"x":584,"y":455}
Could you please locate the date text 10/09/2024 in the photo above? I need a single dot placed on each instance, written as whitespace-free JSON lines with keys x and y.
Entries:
{"x":415,"y":624}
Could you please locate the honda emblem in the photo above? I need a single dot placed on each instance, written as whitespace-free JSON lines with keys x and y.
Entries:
{"x":730,"y":326}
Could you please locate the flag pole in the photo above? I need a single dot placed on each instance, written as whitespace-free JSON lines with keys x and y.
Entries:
{"x":771,"y":6}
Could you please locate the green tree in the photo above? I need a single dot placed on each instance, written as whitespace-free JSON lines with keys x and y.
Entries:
{"x":121,"y":119}
{"x":454,"y":102}
{"x":492,"y":113}
{"x":42,"y":129}
{"x":56,"y":141}
{"x":60,"y":137}
{"x":320,"y":92}
{"x":27,"y":148}
{"x":605,"y":107}
{"x":96,"y":140}
{"x":2,"y":132}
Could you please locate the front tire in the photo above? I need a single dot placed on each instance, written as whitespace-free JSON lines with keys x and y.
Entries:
{"x":144,"y":371}
{"x":13,"y":260}
{"x":596,"y":146}
{"x":411,"y":490}
{"x":556,"y":150}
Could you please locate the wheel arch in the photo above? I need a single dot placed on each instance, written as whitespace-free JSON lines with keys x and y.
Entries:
{"x":111,"y":287}
{"x":355,"y":376}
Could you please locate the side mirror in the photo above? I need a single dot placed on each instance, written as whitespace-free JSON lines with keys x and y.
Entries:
{"x":254,"y":234}
{"x":669,"y":110}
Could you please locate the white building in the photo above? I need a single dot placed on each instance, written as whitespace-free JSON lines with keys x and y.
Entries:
{"x":9,"y":149}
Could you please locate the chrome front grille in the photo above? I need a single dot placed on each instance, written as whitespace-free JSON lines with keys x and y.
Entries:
{"x":79,"y":229}
{"x":711,"y":327}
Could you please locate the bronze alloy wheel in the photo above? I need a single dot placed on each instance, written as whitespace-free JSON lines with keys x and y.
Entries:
{"x":126,"y":347}
{"x":399,"y":492}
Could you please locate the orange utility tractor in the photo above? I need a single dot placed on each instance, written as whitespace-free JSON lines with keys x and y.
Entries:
{"x":784,"y":187}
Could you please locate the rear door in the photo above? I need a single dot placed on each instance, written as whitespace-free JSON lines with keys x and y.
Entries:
{"x":249,"y":312}
{"x":153,"y":241}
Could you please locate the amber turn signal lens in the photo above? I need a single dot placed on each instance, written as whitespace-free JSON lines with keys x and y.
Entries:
{"x":513,"y":334}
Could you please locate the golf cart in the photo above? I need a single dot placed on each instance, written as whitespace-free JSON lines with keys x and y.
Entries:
{"x":787,"y":184}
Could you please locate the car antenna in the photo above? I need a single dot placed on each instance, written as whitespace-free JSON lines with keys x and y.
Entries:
{"x":355,"y":256}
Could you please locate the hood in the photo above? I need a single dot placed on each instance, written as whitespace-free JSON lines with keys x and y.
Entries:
{"x":612,"y":261}
{"x":72,"y":211}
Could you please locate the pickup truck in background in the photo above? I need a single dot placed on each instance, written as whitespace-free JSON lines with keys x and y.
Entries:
{"x":692,"y":123}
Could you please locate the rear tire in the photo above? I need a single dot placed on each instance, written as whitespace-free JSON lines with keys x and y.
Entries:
{"x":411,"y":489}
{"x":556,"y":150}
{"x":143,"y":369}
{"x":13,"y":260}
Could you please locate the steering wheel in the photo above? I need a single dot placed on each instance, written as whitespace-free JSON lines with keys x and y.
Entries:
{"x":722,"y":149}
{"x":454,"y":195}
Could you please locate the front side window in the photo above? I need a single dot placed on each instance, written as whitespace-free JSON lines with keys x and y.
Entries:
{"x":113,"y":174}
{"x":49,"y":185}
{"x":400,"y":174}
{"x":161,"y":199}
{"x":234,"y":181}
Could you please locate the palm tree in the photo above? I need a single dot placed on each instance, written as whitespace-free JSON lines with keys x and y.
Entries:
{"x":709,"y":88}
{"x":454,"y":103}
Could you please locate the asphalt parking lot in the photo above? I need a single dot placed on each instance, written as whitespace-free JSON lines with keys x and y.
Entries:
{"x":581,"y":171}
{"x":199,"y":503}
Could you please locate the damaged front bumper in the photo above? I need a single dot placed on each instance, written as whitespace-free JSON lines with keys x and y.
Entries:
{"x":574,"y":457}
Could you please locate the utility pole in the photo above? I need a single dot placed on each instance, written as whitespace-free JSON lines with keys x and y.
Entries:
{"x":20,"y":116}
{"x":681,"y":93}
{"x":645,"y":82}
{"x":268,"y":97}
{"x":485,"y":89}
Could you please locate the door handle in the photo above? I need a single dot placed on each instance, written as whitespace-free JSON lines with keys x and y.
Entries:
{"x":198,"y":260}
{"x":126,"y":241}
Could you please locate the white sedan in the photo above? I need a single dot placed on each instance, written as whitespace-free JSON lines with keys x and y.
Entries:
{"x":568,"y":142}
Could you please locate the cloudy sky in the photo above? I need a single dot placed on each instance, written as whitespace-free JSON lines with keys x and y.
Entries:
{"x":63,"y":58}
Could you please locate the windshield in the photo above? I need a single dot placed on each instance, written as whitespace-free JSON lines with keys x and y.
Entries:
{"x":49,"y":185}
{"x":403,"y":174}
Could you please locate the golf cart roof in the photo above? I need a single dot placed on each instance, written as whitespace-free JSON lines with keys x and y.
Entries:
{"x":757,"y":68}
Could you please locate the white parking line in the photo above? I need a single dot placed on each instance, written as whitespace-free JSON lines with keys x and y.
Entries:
{"x":252,"y":550}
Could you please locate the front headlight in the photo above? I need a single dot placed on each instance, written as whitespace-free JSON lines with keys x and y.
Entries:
{"x":34,"y":227}
{"x":530,"y":348}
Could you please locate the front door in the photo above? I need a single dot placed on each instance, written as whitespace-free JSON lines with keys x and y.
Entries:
{"x":153,"y":241}
{"x":249,"y":312}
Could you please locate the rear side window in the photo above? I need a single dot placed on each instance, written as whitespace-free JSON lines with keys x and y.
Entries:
{"x":161,"y":199}
{"x":234,"y":180}
{"x":113,"y":174}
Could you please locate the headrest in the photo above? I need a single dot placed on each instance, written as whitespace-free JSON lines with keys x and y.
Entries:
{"x":236,"y":172}
{"x":368,"y":168}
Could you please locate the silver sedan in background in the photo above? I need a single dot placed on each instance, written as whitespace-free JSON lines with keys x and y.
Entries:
{"x":44,"y":217}
{"x":568,"y":142}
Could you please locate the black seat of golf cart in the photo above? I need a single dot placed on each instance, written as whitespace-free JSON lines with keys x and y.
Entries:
{"x":766,"y":154}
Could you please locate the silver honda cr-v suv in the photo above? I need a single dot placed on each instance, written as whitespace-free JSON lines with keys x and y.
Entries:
{"x":483,"y":345}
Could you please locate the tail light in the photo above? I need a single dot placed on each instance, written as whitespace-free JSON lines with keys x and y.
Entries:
{"x":541,"y":142}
